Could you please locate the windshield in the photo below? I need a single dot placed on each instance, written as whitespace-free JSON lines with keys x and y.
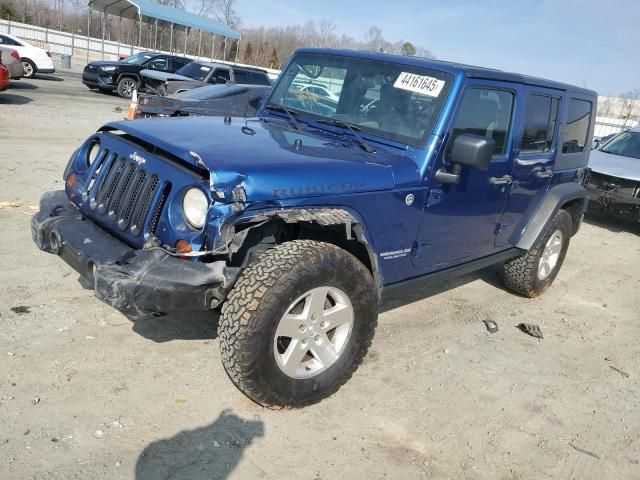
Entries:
{"x":194,"y":70}
{"x":397,"y":102}
{"x":626,"y":144}
{"x":137,"y":59}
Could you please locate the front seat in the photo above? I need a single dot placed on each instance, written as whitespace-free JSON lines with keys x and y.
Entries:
{"x":393,"y":110}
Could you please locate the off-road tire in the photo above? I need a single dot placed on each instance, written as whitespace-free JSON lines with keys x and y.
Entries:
{"x":521,"y":274}
{"x":259,"y":299}
{"x":123,"y":85}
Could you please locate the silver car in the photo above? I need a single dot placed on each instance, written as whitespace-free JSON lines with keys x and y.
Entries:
{"x":11,"y":60}
{"x":613,"y":184}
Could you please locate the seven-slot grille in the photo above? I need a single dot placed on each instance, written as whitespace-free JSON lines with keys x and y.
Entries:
{"x":124,"y":192}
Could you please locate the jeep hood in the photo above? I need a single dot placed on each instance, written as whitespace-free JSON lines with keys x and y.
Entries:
{"x":615,"y":165}
{"x":271,"y":161}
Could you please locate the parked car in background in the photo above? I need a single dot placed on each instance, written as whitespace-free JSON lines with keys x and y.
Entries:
{"x":197,"y":74}
{"x":10,"y":58}
{"x":34,"y":59}
{"x":316,"y":89}
{"x":4,"y":77}
{"x":123,"y":76}
{"x":228,"y":100}
{"x":613,"y":184}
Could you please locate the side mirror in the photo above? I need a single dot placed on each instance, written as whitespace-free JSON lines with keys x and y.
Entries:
{"x":595,"y":144}
{"x":472,"y":151}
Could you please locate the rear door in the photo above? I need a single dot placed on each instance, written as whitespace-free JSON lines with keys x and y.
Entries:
{"x":536,"y":144}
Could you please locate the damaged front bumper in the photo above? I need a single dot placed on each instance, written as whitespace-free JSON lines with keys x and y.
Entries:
{"x":137,"y":282}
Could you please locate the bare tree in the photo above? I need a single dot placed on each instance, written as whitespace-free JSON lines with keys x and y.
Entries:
{"x":374,"y":39}
{"x":227,"y":14}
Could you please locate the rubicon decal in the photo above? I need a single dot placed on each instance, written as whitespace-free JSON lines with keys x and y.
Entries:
{"x":315,"y":189}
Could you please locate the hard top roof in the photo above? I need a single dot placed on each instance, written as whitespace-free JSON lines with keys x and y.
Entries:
{"x":470,"y":71}
{"x":230,"y":65}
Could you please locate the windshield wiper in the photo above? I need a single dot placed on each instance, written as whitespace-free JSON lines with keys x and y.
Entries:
{"x":353,"y":129}
{"x":290,"y":113}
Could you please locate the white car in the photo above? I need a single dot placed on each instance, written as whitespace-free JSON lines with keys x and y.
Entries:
{"x":34,"y":59}
{"x":319,"y":90}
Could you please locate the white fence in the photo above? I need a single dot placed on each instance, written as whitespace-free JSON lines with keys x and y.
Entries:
{"x":64,"y":43}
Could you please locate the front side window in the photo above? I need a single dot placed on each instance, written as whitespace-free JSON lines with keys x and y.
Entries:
{"x":137,"y":59}
{"x":539,"y":124}
{"x":486,"y":112}
{"x":576,"y":127}
{"x":626,"y":144}
{"x":408,"y":99}
{"x":219,"y":76}
{"x":158,"y":64}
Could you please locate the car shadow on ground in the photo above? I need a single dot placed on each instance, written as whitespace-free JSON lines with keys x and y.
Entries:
{"x":210,"y":452}
{"x":178,"y":326}
{"x":10,"y":99}
{"x":22,"y":85}
{"x":51,"y":78}
{"x":615,"y":225}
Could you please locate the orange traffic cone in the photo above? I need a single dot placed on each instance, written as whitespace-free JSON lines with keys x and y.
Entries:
{"x":133,"y":106}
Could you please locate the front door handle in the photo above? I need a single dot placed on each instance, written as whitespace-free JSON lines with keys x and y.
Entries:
{"x":505,"y":180}
{"x":544,"y":173}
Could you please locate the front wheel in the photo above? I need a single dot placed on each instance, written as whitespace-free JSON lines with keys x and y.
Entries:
{"x":297,"y":323}
{"x":531,"y":274}
{"x":126,"y":87}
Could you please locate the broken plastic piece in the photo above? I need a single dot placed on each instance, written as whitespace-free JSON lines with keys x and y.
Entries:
{"x":530,"y":329}
{"x":492,"y":326}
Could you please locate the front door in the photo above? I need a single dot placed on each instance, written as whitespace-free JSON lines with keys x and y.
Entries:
{"x":459,"y":221}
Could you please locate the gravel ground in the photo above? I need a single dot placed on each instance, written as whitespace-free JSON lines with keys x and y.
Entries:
{"x":87,"y":394}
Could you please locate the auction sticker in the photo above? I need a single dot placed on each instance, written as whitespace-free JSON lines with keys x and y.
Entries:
{"x":419,"y":83}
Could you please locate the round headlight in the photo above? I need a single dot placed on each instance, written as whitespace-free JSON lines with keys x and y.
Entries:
{"x":195,"y":206}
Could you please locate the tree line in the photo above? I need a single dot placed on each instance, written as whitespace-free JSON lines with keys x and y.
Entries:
{"x":268,"y":47}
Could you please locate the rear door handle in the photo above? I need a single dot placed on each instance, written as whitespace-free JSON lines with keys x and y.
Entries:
{"x":544,"y":173}
{"x":505,"y":180}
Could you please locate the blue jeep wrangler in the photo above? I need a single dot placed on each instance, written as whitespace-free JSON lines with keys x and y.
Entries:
{"x":299,"y":222}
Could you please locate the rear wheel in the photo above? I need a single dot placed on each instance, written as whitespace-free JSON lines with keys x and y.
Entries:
{"x":533,"y":273}
{"x":297,"y":324}
{"x":126,"y":86}
{"x":29,"y":68}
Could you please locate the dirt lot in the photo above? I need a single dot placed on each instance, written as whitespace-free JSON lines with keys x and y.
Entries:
{"x":87,"y":394}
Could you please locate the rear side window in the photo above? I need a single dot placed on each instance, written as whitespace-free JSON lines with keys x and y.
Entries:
{"x":539,"y":124}
{"x":242,"y":77}
{"x":576,"y":127}
{"x":486,"y":112}
{"x":260,"y":79}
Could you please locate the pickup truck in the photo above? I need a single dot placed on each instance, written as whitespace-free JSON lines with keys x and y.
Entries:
{"x":299,"y":223}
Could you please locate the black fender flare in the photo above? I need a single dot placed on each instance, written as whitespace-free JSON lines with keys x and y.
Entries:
{"x":354,"y":228}
{"x":135,"y":76}
{"x":556,"y":197}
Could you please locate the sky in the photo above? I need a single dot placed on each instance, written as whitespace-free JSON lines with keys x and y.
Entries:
{"x":590,"y":43}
